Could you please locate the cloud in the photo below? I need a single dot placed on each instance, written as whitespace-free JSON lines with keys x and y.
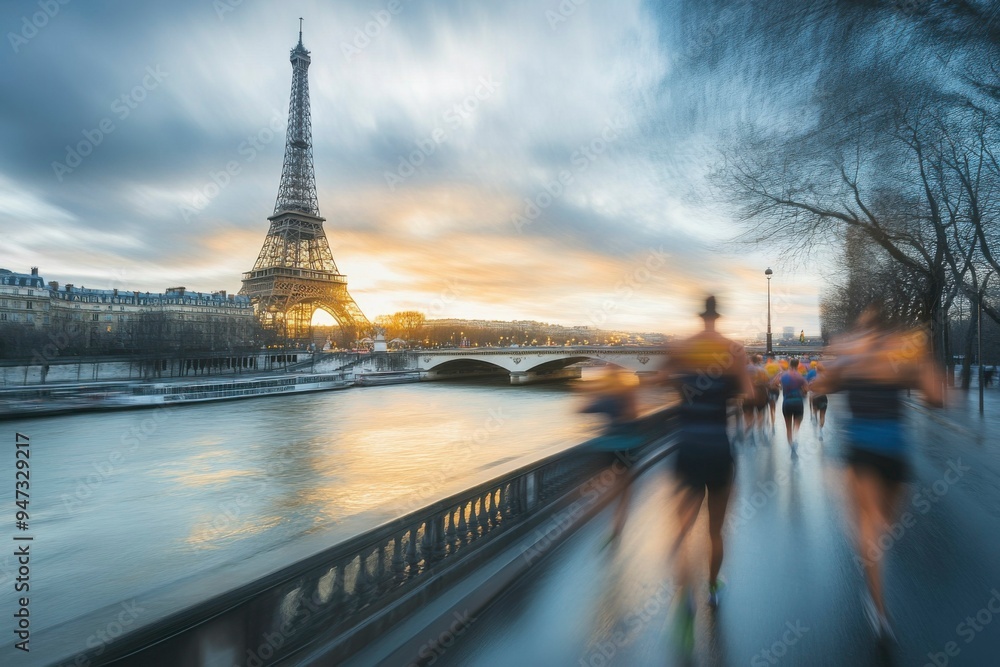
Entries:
{"x":521,"y":100}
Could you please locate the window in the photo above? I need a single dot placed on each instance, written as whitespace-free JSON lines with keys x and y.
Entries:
{"x":29,"y":305}
{"x":3,"y":317}
{"x":94,"y":317}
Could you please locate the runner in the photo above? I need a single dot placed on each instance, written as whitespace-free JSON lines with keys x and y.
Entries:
{"x":709,"y":371}
{"x":810,"y":375}
{"x":773,"y":369}
{"x":616,"y":398}
{"x":818,"y":402}
{"x":874,"y":366}
{"x":793,"y":389}
{"x":755,"y":405}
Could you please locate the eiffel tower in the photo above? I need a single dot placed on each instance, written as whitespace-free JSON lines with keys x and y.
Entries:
{"x":295,"y":273}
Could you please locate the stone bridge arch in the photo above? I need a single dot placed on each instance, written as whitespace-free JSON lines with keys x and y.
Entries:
{"x":526,"y":365}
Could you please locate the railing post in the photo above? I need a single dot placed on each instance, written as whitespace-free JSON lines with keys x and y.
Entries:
{"x":484,"y":516}
{"x":473,"y":520}
{"x":463,"y":527}
{"x":531,"y":490}
{"x":364,"y":586}
{"x":450,"y":537}
{"x":427,"y":543}
{"x":398,"y":564}
{"x":381,"y":582}
{"x":438,"y":546}
{"x":411,"y":553}
{"x":339,"y":594}
{"x":493,"y":515}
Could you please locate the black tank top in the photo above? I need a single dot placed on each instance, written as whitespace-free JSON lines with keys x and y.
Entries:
{"x":704,"y":399}
{"x":872,"y":400}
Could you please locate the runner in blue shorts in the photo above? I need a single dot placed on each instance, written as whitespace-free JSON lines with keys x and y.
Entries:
{"x":793,"y":390}
{"x":874,"y":366}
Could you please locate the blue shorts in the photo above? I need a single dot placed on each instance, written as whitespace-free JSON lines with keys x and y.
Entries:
{"x":879,"y":436}
{"x":879,"y":445}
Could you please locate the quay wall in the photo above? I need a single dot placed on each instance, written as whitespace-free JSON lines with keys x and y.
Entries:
{"x":103,"y":369}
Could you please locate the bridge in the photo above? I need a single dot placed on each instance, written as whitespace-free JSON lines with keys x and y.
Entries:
{"x":525,"y":365}
{"x":534,"y":364}
{"x":513,"y":567}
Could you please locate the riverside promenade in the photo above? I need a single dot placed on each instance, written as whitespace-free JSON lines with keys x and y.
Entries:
{"x":794,"y":580}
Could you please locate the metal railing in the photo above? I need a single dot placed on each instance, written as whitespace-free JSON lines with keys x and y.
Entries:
{"x":385,"y":573}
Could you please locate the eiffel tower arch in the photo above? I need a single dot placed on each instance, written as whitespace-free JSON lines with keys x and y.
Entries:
{"x":295,"y":274}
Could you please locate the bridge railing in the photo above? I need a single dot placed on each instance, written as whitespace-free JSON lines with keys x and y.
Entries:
{"x":352,"y":592}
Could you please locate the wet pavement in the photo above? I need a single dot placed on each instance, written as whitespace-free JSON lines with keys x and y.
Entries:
{"x":794,"y":580}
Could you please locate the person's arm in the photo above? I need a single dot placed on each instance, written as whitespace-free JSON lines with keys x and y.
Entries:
{"x":931,"y":383}
{"x":829,"y":381}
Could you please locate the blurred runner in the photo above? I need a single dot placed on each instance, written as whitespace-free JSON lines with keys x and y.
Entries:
{"x":793,"y":390}
{"x":755,"y":405}
{"x":818,"y":402}
{"x":709,"y":371}
{"x":616,"y":398}
{"x":772,"y":368}
{"x":874,"y":366}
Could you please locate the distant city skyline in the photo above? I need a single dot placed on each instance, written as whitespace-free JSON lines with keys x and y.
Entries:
{"x":472,"y":162}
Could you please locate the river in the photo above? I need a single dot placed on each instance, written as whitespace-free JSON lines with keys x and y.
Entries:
{"x":126,"y":502}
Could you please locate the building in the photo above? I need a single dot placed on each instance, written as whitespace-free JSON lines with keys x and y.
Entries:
{"x":24,"y":298}
{"x":122,"y":319}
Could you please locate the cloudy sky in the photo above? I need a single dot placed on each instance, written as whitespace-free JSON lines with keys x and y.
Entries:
{"x":514,"y":160}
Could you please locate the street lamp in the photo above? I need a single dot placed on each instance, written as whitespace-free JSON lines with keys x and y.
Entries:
{"x":769,"y":273}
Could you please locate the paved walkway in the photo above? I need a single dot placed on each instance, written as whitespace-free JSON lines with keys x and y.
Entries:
{"x":794,"y":582}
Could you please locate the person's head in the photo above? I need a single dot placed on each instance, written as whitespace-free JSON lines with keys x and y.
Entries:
{"x":813,"y":364}
{"x":793,"y":364}
{"x":710,"y":315}
{"x":756,"y":358}
{"x":872,"y":317}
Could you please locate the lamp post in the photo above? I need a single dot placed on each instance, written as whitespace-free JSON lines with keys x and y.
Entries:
{"x":769,"y":273}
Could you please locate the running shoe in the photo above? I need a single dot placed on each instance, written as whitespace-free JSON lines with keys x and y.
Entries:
{"x":871,"y":613}
{"x":714,"y":590}
{"x":885,"y":631}
{"x":684,"y":626}
{"x":878,"y":622}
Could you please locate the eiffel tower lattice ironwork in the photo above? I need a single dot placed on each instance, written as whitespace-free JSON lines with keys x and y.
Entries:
{"x":295,"y":273}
